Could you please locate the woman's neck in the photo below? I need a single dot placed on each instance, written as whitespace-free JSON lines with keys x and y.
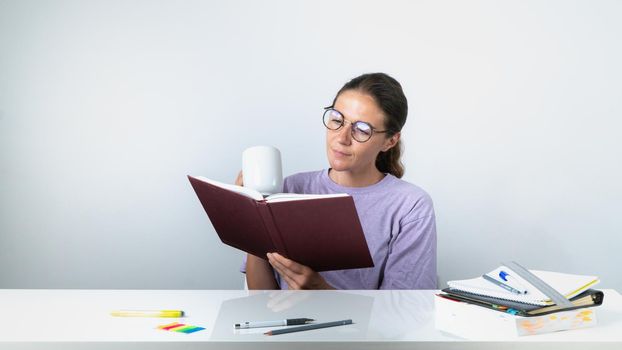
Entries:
{"x":356,"y":179}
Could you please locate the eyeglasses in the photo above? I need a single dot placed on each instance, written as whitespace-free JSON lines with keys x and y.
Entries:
{"x":361,"y":131}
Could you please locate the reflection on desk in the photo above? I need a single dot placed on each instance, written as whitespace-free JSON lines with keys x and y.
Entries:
{"x":66,"y":319}
{"x":279,"y":305}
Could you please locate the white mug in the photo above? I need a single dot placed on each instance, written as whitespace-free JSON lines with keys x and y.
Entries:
{"x":262,"y":170}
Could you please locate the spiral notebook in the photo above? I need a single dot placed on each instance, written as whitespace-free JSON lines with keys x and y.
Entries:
{"x":568,"y":285}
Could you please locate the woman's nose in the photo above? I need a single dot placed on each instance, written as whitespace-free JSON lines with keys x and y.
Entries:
{"x":345,"y":133}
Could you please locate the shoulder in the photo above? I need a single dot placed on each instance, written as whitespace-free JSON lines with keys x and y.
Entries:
{"x":413,"y":200}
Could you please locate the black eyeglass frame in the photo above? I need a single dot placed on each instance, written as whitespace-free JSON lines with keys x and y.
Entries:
{"x":343,"y":121}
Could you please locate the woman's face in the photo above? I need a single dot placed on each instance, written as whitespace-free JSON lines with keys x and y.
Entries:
{"x":347,"y":154}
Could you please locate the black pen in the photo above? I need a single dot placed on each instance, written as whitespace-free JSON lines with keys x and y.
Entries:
{"x":308,"y":327}
{"x":287,"y":322}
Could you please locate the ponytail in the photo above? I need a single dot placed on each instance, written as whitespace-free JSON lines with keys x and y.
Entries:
{"x":390,"y":162}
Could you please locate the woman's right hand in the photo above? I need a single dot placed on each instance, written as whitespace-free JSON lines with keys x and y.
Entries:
{"x":240,"y":179}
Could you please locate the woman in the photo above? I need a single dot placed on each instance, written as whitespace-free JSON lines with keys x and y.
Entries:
{"x":363,"y":149}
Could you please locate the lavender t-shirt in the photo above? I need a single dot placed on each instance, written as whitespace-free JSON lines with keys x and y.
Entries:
{"x":399,"y":225}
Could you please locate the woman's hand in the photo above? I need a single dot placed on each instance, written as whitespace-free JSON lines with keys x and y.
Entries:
{"x":296,"y":275}
{"x":240,"y":179}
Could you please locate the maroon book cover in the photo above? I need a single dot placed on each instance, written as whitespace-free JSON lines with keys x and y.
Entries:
{"x":323,"y":234}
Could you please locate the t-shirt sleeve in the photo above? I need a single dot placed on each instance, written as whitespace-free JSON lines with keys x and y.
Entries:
{"x":411,"y":262}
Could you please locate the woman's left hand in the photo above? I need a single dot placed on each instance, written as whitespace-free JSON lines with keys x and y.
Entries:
{"x":296,"y":275}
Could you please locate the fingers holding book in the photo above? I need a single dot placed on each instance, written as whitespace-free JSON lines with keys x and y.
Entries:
{"x":296,"y":275}
{"x":239,"y":181}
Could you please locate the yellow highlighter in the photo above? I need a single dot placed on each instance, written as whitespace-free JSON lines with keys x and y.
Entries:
{"x":148,"y":313}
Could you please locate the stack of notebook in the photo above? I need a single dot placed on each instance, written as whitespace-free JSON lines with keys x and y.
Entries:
{"x":524,"y":296}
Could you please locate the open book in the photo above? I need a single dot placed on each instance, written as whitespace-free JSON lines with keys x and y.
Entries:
{"x":322,"y":232}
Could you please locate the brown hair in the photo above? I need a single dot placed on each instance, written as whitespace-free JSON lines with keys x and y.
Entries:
{"x":388,"y":94}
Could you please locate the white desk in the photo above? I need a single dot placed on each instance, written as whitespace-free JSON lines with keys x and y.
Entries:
{"x":71,"y":319}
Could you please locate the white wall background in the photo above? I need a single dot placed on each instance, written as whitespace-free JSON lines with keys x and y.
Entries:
{"x":105,"y":106}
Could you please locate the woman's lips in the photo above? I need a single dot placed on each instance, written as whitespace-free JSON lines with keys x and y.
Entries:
{"x":340,"y":154}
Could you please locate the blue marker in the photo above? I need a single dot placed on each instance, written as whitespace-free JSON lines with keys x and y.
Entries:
{"x":512,"y":282}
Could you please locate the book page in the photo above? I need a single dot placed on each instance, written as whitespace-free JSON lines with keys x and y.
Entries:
{"x":277,"y":197}
{"x":248,"y":192}
{"x":285,"y":197}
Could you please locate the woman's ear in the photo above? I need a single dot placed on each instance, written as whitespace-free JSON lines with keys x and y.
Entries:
{"x":391,"y":142}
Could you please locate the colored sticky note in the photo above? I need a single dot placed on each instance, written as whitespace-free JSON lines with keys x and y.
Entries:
{"x":196,"y":329}
{"x":180,"y":328}
{"x":168,"y":327}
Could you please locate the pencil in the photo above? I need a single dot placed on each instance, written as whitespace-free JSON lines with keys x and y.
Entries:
{"x":308,"y":327}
